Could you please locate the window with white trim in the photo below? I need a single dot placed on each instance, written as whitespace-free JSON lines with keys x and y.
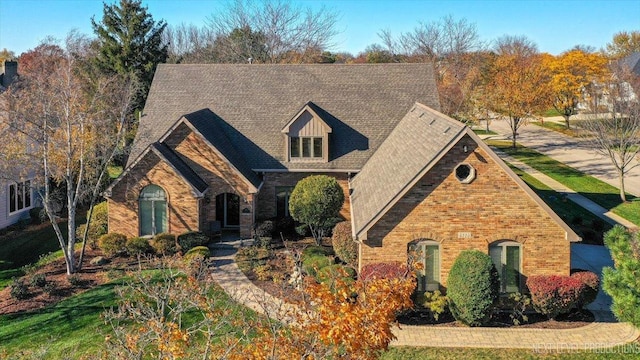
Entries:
{"x":507,"y":258}
{"x":153,"y":210}
{"x":305,"y":147}
{"x":427,"y":254}
{"x":20,"y":196}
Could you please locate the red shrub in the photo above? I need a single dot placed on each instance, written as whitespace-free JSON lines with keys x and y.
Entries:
{"x":554,"y":294}
{"x":591,"y":288}
{"x":392,"y":270}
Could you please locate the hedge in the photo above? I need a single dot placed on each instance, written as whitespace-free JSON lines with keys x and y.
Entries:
{"x":553,"y":295}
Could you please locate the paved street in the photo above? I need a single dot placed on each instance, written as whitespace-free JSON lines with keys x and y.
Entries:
{"x":571,"y":151}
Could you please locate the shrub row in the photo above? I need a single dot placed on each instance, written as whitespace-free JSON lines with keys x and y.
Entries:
{"x":113,"y":244}
{"x":553,"y":295}
{"x":343,"y":244}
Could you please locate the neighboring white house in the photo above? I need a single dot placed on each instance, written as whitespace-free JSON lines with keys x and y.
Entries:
{"x":16,"y":195}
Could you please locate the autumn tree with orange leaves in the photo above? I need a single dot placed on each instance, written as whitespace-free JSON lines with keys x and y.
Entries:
{"x":517,"y":83}
{"x":572,"y":73}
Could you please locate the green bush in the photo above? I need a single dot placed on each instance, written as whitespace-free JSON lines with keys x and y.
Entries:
{"x":98,"y":225}
{"x":75,"y":280}
{"x":315,"y":251}
{"x":112,"y":244}
{"x":329,"y":274}
{"x":313,"y":264}
{"x":434,"y":301}
{"x":472,"y":287}
{"x":343,"y":244}
{"x":164,"y":244}
{"x":265,"y":229}
{"x":39,"y":280}
{"x":19,"y":290}
{"x":621,"y":281}
{"x":138,"y":246}
{"x":316,"y":201}
{"x":35,"y":214}
{"x":197,"y":251}
{"x":191,"y":239}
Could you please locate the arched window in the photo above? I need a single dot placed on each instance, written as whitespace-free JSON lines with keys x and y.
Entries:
{"x":507,"y":258}
{"x":153,"y":210}
{"x":427,"y":254}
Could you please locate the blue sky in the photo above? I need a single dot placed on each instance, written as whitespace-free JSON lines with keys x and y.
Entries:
{"x":555,"y":26}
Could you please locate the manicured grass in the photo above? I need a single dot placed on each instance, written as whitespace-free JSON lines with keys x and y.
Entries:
{"x":579,"y":219}
{"x":597,"y":191}
{"x":551,"y":112}
{"x":561,"y":128}
{"x":630,"y":351}
{"x":484,"y":132}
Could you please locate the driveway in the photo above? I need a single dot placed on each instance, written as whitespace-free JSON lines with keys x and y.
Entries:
{"x":571,"y":151}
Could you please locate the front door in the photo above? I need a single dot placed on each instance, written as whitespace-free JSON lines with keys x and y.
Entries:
{"x":228,"y":210}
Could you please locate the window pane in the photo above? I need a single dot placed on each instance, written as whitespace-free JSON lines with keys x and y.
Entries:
{"x":416,"y":254}
{"x":20,"y":196}
{"x":282,"y":201}
{"x":306,"y":147}
{"x":27,"y":193}
{"x":160,"y":215}
{"x":496,"y":256}
{"x":12,"y":197}
{"x":317,"y":147}
{"x":512,"y":269}
{"x":146,"y":223}
{"x":295,"y":147}
{"x":432,"y":267}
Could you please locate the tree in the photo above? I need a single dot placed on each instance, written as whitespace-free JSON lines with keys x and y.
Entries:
{"x":616,"y":132}
{"x":571,"y":74}
{"x":130,"y":43}
{"x":623,"y":43}
{"x":6,"y":55}
{"x":517,"y":82}
{"x":241,"y":45}
{"x":290,"y":33}
{"x":622,"y":281}
{"x":64,"y":127}
{"x":316,"y":201}
{"x":188,"y":44}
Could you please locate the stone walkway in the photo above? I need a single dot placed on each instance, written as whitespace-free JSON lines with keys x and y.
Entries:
{"x":603,"y":333}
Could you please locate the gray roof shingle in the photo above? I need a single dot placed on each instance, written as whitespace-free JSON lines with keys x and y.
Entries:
{"x":412,"y":148}
{"x":252,"y":103}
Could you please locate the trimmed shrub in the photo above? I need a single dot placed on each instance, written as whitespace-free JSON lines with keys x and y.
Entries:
{"x":391,"y":270}
{"x":313,"y":264}
{"x":202,"y":251}
{"x":191,"y":239}
{"x":97,"y":227}
{"x":112,"y":244}
{"x":315,"y":251}
{"x":553,"y":295}
{"x":35,"y":213}
{"x":265,"y":229}
{"x":164,"y":244}
{"x":333,"y":274}
{"x":472,"y":287}
{"x":19,"y":290}
{"x":591,"y":287}
{"x":39,"y":280}
{"x":343,"y":244}
{"x":138,"y":246}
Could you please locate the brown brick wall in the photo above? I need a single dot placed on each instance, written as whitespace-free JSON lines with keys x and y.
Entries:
{"x":123,"y":204}
{"x":267,"y":197}
{"x":491,"y":208}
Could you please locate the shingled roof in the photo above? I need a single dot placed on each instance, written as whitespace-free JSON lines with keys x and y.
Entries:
{"x":252,"y":103}
{"x":421,"y":138}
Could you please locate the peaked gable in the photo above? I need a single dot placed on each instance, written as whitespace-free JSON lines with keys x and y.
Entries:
{"x":253,"y":103}
{"x":308,"y":109}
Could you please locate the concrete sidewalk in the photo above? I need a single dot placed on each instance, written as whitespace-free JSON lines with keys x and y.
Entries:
{"x":603,"y":333}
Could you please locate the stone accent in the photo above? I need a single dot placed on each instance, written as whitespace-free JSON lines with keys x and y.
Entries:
{"x":461,"y":216}
{"x":267,"y":196}
{"x":183,"y":207}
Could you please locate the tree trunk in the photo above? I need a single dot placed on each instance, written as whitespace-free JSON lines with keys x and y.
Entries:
{"x":623,"y":196}
{"x":487,"y":122}
{"x":514,"y":132}
{"x":566,"y":120}
{"x":71,"y":240}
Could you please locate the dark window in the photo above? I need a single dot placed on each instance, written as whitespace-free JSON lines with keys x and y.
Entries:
{"x":153,"y":210}
{"x":295,"y":147}
{"x":506,"y":258}
{"x":282,"y":200}
{"x":317,"y":147}
{"x":19,"y":196}
{"x":427,"y":254}
{"x":465,"y":173}
{"x":306,"y":147}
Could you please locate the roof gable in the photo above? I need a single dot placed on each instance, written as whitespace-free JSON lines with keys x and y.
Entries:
{"x":311,"y":109}
{"x":253,"y":103}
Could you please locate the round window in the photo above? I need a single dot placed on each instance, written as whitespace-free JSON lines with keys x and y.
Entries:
{"x":465,"y":173}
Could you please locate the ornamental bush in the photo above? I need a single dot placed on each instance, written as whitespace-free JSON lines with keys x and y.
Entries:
{"x":310,"y":251}
{"x":316,"y":201}
{"x":138,"y":246}
{"x":112,"y":244}
{"x":343,"y":244}
{"x":330,"y":274}
{"x":197,"y":251}
{"x":191,"y":239}
{"x":472,"y":287}
{"x":313,"y":264}
{"x":390,"y":270}
{"x":164,"y":244}
{"x":553,"y":295}
{"x":98,"y":225}
{"x":591,"y":287}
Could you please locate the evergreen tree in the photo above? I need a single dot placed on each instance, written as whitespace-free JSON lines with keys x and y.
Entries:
{"x":130,"y":43}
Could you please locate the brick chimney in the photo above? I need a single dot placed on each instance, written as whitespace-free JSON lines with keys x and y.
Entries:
{"x":9,"y":72}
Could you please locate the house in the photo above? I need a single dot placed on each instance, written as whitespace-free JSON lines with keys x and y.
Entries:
{"x":16,"y":192}
{"x":226,"y":144}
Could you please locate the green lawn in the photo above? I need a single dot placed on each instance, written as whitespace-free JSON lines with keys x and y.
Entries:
{"x":484,"y":132}
{"x":561,"y":128}
{"x":597,"y":191}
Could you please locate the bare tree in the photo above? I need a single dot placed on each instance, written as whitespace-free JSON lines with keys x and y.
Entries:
{"x":188,"y":44}
{"x":616,"y":133}
{"x":63,"y":124}
{"x":288,"y":33}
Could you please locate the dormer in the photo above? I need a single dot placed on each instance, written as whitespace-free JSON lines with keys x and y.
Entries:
{"x":307,"y":136}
